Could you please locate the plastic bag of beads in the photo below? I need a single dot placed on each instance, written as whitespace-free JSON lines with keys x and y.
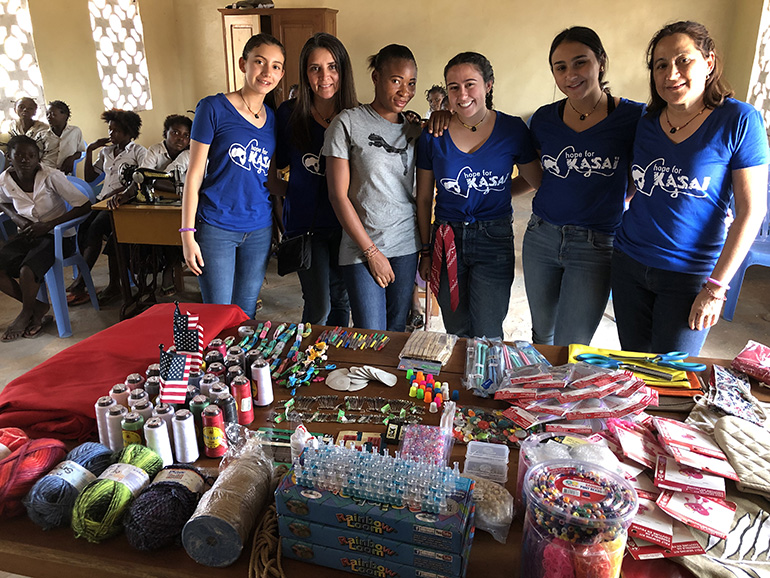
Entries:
{"x":426,"y":443}
{"x":494,"y":508}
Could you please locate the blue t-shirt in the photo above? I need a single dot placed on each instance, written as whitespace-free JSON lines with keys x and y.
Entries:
{"x":234,"y":193}
{"x":476,"y":186}
{"x":307,"y":195}
{"x":676,"y":220}
{"x":585,"y":174}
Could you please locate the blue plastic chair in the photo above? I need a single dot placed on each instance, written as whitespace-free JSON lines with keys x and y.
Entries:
{"x":54,"y":278}
{"x":759,"y":254}
{"x":79,"y":160}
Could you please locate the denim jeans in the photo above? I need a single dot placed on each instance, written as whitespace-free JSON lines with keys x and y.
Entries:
{"x":652,"y":307}
{"x":567,"y":278}
{"x":374,"y":307}
{"x":323,"y":288}
{"x":234,"y":265}
{"x":485,"y":268}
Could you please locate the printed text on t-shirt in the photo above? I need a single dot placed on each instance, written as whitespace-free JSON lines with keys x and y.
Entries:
{"x":482,"y":181}
{"x":251,"y":155}
{"x":668,"y":179}
{"x":584,"y":162}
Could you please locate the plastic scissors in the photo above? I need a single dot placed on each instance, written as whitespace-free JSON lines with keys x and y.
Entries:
{"x":610,"y":363}
{"x":672,"y":359}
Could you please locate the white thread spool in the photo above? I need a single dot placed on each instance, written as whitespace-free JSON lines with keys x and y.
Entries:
{"x":102,"y":408}
{"x":143,"y":408}
{"x":206,"y":382}
{"x":185,"y":442}
{"x":217,"y":390}
{"x":165,"y":412}
{"x":114,"y":430}
{"x":119,"y":393}
{"x":262,"y":383}
{"x":156,"y":434}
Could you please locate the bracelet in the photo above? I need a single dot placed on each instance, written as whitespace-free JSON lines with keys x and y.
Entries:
{"x":426,"y":246}
{"x":714,"y":295}
{"x":719,"y":284}
{"x":185,"y":229}
{"x":370,"y":251}
{"x":426,"y":253}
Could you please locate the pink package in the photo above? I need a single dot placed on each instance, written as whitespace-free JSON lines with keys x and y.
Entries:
{"x":754,"y":360}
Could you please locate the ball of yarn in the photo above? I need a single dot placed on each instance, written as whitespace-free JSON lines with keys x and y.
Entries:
{"x":156,"y":518}
{"x":49,"y":502}
{"x":99,"y":509}
{"x":11,"y":439}
{"x":25,"y":466}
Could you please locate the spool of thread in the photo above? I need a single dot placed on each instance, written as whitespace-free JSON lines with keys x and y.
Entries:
{"x":100,"y":507}
{"x":11,"y":439}
{"x":158,"y":440}
{"x":192,"y":391}
{"x":136,"y":396}
{"x":245,"y":331}
{"x":215,"y":534}
{"x":217,"y":345}
{"x":145,"y":409}
{"x":165,"y":412}
{"x":156,"y":518}
{"x":238,"y":352}
{"x":207,"y":381}
{"x":232,"y":361}
{"x":214,"y":438}
{"x":50,"y":501}
{"x":213,"y":356}
{"x":115,"y":427}
{"x":119,"y":393}
{"x":195,"y":377}
{"x":133,"y":429}
{"x":233,"y":372}
{"x":152,"y":387}
{"x":240,"y":388}
{"x":217,"y":390}
{"x":197,"y":405}
{"x":251,"y":356}
{"x":153,"y":370}
{"x":25,"y":466}
{"x":134,"y":380}
{"x":217,"y":369}
{"x":101,"y":409}
{"x":229,"y":408}
{"x":262,"y":383}
{"x":185,"y":443}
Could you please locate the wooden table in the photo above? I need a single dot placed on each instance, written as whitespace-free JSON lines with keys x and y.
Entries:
{"x":26,"y":549}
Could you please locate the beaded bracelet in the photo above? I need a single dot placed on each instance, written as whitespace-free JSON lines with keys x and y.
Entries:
{"x":370,"y":251}
{"x":185,"y":229}
{"x":719,"y":284}
{"x":714,"y":295}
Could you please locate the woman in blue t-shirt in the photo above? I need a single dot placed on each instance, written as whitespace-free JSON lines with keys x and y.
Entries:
{"x":471,"y":261}
{"x":585,"y":142}
{"x":696,"y":151}
{"x":325,"y":88}
{"x":226,"y":210}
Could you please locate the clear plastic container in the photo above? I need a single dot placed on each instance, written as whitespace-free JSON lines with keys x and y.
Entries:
{"x":486,"y":460}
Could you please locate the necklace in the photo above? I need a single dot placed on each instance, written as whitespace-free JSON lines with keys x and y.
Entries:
{"x":256,"y":114}
{"x":674,"y":129}
{"x":585,"y":115}
{"x":326,"y":120}
{"x":472,"y":127}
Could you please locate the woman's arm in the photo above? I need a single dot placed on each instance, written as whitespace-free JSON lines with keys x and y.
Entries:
{"x":338,"y":179}
{"x":750,"y":192}
{"x":199,"y":152}
{"x":425,"y":186}
{"x":89,"y":172}
{"x":529,"y":178}
{"x":44,"y":227}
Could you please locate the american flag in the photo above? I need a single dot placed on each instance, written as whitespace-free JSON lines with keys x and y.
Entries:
{"x":174,"y":375}
{"x":188,"y":337}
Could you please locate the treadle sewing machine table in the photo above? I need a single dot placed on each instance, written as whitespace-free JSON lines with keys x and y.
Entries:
{"x":26,"y":549}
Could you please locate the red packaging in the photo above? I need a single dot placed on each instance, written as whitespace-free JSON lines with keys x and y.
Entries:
{"x":754,"y":360}
{"x":214,"y":438}
{"x":241,"y":390}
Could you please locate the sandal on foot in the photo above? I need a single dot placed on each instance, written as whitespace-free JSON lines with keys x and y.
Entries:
{"x":33,"y":330}
{"x":77,"y":298}
{"x":106,"y":295}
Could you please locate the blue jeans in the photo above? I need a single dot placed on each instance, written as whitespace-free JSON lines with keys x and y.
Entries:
{"x":374,"y":307}
{"x":652,"y":307}
{"x":234,"y":265}
{"x":567,"y":278}
{"x":485,"y":268}
{"x":323,"y":288}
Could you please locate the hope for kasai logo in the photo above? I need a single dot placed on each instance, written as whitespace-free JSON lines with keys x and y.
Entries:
{"x":585,"y":163}
{"x":668,"y":179}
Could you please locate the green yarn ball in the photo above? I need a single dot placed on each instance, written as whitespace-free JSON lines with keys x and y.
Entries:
{"x":99,"y":509}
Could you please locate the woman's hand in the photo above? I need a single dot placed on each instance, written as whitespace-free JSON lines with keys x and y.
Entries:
{"x":425,"y":266}
{"x":192,"y":253}
{"x":36,"y":229}
{"x":99,"y":143}
{"x":380,"y":268}
{"x":119,"y":199}
{"x":439,"y":122}
{"x":706,"y":309}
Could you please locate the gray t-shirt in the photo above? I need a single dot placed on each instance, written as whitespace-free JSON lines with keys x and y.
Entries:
{"x":381,"y":156}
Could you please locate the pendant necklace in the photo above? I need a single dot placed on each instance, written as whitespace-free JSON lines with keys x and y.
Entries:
{"x":585,"y":115}
{"x":256,"y":114}
{"x":326,"y":120}
{"x":472,"y":127}
{"x":673,"y":129}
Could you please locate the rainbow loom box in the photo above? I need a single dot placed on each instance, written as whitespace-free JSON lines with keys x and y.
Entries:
{"x":451,"y":532}
{"x":352,"y":543}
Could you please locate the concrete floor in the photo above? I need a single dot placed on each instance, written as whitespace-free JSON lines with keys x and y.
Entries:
{"x":283,"y":301}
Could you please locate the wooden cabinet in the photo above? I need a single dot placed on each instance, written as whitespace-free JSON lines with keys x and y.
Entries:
{"x":292,"y":26}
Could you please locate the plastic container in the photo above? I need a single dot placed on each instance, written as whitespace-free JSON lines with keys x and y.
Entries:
{"x":426,"y":443}
{"x":577,"y":520}
{"x":486,"y":460}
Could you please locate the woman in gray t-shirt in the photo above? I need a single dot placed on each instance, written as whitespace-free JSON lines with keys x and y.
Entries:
{"x":370,"y":170}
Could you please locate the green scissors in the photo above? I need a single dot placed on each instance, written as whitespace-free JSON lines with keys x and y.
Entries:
{"x":610,"y":363}
{"x":672,"y":359}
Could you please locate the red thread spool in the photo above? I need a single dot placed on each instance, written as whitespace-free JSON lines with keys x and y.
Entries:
{"x":214,"y":438}
{"x":241,"y":390}
{"x":11,"y":439}
{"x":25,"y":466}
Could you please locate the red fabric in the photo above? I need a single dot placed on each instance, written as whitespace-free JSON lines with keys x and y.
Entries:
{"x":56,"y":398}
{"x":444,"y":246}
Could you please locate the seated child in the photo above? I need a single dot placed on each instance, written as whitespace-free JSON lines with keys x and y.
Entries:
{"x":63,"y":142}
{"x":123,"y":127}
{"x":34,"y":197}
{"x":26,"y":109}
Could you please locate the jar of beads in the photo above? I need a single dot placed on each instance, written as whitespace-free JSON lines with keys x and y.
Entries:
{"x":576,"y":522}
